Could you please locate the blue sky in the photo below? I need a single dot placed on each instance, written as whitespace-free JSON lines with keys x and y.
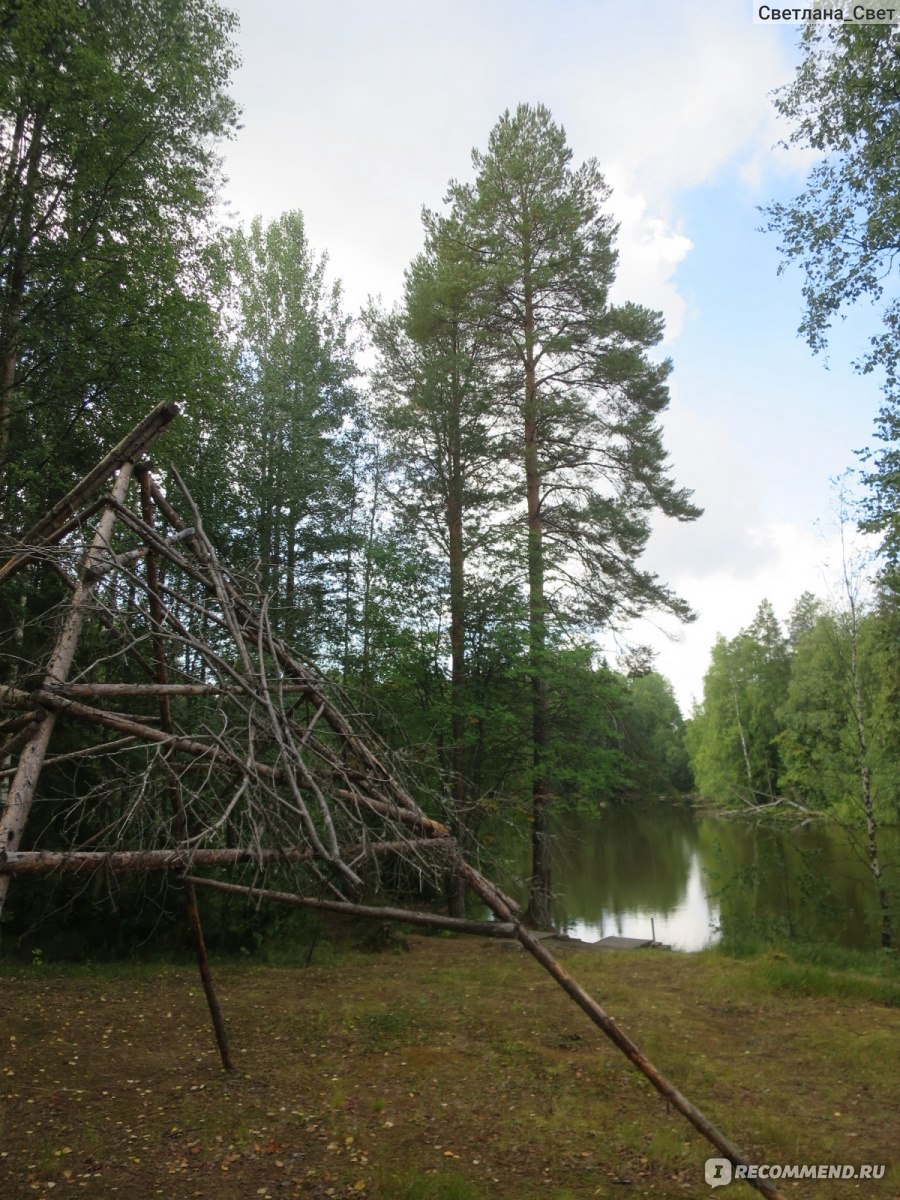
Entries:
{"x":358,"y":112}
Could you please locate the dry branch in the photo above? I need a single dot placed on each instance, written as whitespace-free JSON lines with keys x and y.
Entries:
{"x":50,"y":698}
{"x":84,"y":752}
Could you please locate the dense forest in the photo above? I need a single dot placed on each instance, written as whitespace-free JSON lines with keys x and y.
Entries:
{"x":446,"y":503}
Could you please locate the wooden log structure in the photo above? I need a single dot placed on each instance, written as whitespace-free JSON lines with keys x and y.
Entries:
{"x":311,"y":775}
{"x":64,"y":515}
{"x":22,"y":789}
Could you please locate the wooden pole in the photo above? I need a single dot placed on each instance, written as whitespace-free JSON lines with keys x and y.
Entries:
{"x":192,"y":909}
{"x":81,"y":862}
{"x":51,"y":526}
{"x":31,"y":759}
{"x":496,"y":902}
{"x":491,"y":929}
{"x":99,"y":690}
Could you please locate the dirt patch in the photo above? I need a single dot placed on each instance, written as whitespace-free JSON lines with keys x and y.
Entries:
{"x":455,"y":1071}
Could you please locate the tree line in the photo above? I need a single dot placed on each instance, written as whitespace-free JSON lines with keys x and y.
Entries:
{"x":804,"y":719}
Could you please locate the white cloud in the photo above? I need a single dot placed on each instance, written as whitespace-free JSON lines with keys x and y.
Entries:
{"x":672,"y":109}
{"x":358,"y":115}
{"x":649,"y":254}
{"x":790,"y":559}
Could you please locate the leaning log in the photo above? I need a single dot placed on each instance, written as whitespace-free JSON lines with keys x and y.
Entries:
{"x":499,"y":906}
{"x":53,"y":524}
{"x":21,"y":792}
{"x":82,"y":862}
{"x":491,"y":929}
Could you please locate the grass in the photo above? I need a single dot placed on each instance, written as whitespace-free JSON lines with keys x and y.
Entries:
{"x":456,"y":1071}
{"x":417,"y":1185}
{"x":815,"y":969}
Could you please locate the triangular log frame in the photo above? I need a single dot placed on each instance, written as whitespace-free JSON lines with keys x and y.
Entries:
{"x":348,"y":785}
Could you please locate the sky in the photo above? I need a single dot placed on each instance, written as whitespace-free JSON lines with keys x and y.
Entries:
{"x":359,"y":112}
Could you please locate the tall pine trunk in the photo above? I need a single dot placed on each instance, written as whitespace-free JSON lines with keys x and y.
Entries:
{"x":456,"y":885}
{"x":540,"y":889}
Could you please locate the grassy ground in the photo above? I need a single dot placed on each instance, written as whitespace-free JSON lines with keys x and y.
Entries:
{"x":455,"y":1070}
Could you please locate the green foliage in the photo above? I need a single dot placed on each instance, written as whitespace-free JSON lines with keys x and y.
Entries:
{"x":842,"y":229}
{"x":538,"y":248}
{"x":778,"y":715}
{"x":294,"y":458}
{"x":820,"y":743}
{"x":732,"y":738}
{"x":109,"y":115}
{"x":574,"y":384}
{"x":389,"y":544}
{"x":654,"y":737}
{"x":585,"y":760}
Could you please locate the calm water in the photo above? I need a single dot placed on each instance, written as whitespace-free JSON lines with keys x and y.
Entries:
{"x":689,"y":876}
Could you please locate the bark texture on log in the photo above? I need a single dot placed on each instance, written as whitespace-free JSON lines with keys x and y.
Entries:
{"x":53,"y":525}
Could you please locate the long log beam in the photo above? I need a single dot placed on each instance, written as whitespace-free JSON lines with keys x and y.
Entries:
{"x":493,"y":929}
{"x":80,"y":862}
{"x":98,"y":690}
{"x":51,"y":526}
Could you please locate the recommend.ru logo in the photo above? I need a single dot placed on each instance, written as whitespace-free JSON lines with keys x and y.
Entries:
{"x":718,"y":1171}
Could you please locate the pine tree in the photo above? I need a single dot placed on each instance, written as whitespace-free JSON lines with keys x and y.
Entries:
{"x":435,"y":411}
{"x":573,"y":376}
{"x":109,"y":116}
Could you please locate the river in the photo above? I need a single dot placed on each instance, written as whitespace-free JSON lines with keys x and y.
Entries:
{"x":687,"y":877}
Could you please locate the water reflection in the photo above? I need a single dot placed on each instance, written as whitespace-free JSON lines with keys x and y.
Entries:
{"x":690,"y":924}
{"x":688,"y":877}
{"x":635,"y":872}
